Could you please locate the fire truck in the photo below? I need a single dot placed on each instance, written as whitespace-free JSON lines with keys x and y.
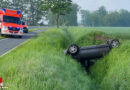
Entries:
{"x":10,"y":23}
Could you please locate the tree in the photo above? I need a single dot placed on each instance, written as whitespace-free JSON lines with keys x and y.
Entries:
{"x":5,"y":4}
{"x":50,"y":17}
{"x":102,"y":17}
{"x":57,"y":7}
{"x":34,"y":14}
{"x":30,"y":9}
{"x":124,"y":18}
{"x":18,"y":5}
{"x":102,"y":13}
{"x":71,"y":18}
{"x":96,"y":19}
{"x":86,"y":18}
{"x":112,"y":19}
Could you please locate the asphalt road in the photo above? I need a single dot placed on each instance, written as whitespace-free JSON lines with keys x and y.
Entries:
{"x":11,"y":42}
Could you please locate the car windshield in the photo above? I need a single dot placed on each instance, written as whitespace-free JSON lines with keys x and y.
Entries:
{"x":10,"y":19}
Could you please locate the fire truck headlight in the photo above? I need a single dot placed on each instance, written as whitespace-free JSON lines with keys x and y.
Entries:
{"x":4,"y":28}
{"x":18,"y":28}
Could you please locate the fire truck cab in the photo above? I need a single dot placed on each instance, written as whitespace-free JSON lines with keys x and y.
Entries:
{"x":10,"y":22}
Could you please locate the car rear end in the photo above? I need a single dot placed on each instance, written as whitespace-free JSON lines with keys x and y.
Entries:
{"x":24,"y":26}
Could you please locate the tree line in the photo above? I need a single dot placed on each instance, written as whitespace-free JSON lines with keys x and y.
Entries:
{"x":67,"y":19}
{"x":64,"y":13}
{"x":36,"y":12}
{"x":30,"y":9}
{"x":102,"y":17}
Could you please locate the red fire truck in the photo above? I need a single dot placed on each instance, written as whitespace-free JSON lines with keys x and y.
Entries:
{"x":10,"y":22}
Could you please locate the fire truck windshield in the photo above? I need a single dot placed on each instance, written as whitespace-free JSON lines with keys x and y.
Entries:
{"x":9,"y":19}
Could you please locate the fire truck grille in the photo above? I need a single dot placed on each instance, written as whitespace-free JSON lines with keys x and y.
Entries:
{"x":13,"y":29}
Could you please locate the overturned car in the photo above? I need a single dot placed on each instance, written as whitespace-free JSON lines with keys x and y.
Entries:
{"x":88,"y":53}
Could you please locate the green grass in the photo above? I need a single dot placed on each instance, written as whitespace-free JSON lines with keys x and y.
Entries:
{"x":40,"y":64}
{"x":1,"y":37}
{"x":35,"y":29}
{"x":113,"y":71}
{"x":118,"y":32}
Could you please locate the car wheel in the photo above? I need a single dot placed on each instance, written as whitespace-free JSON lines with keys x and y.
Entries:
{"x":24,"y":31}
{"x":113,"y":43}
{"x":73,"y":49}
{"x":27,"y":31}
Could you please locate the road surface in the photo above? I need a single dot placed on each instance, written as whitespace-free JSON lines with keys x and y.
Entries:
{"x":8,"y":44}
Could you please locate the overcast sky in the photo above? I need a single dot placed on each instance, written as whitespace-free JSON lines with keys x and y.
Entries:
{"x":110,"y":5}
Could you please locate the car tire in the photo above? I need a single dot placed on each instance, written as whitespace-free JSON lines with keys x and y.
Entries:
{"x":27,"y":31}
{"x":73,"y":49}
{"x":24,"y":31}
{"x":113,"y":43}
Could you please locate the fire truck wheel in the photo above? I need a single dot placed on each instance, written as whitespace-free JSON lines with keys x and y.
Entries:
{"x":73,"y":49}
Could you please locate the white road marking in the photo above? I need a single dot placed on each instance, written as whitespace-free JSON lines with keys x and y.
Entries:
{"x":13,"y":48}
{"x":17,"y":45}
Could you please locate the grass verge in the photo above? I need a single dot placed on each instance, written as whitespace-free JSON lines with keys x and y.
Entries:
{"x":113,"y":71}
{"x":40,"y":64}
{"x":35,"y":29}
{"x":1,"y":37}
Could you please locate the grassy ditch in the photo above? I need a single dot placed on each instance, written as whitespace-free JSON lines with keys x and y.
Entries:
{"x":113,"y":71}
{"x":40,"y":63}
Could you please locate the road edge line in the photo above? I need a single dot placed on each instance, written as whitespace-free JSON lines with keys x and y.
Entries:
{"x":14,"y":48}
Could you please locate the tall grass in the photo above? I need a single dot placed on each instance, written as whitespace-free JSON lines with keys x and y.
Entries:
{"x":117,"y":32}
{"x":40,"y":64}
{"x":112,"y":72}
